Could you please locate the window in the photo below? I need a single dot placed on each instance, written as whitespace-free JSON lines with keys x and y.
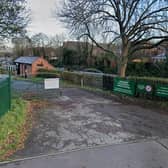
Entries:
{"x":40,"y":64}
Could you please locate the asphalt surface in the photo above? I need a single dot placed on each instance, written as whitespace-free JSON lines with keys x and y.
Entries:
{"x":84,"y":122}
{"x":80,"y":119}
{"x":150,"y":154}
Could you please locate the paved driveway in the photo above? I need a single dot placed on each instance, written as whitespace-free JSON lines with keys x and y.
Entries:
{"x":81,"y":119}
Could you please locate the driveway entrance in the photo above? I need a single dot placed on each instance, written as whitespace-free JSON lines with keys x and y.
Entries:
{"x":81,"y":119}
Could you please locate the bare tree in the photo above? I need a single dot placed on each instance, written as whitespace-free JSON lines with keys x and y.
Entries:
{"x":40,"y":40}
{"x":136,"y":24}
{"x":22,"y":46}
{"x":57,"y":40}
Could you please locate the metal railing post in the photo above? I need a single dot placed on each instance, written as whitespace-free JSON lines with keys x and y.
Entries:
{"x":9,"y":89}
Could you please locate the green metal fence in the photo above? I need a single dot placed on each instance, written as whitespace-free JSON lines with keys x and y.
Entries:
{"x":5,"y":95}
{"x":162,"y":91}
{"x":124,"y":86}
{"x":144,"y":87}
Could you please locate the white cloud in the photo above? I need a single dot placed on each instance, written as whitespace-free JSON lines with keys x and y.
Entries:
{"x":42,"y":19}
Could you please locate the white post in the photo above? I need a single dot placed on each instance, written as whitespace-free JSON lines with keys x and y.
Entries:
{"x":82,"y":82}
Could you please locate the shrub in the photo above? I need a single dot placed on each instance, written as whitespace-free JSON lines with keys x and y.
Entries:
{"x":158,"y":69}
{"x":88,"y":79}
{"x":75,"y":78}
{"x":44,"y":73}
{"x":153,"y":80}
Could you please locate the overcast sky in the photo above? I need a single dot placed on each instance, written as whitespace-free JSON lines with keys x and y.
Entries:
{"x":42,"y":19}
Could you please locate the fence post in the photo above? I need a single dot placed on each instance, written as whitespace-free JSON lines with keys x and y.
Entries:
{"x":9,"y":89}
{"x":82,"y":83}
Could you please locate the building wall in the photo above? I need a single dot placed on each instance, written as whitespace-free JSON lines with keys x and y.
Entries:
{"x":24,"y":67}
{"x":41,"y":63}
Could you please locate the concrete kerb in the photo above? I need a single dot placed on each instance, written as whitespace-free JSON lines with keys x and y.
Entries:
{"x":156,"y":139}
{"x":162,"y":144}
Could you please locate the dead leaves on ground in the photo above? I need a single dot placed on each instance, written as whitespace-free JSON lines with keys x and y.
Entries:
{"x":13,"y":144}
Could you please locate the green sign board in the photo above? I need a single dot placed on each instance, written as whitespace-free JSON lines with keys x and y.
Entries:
{"x":162,"y":91}
{"x":144,"y":88}
{"x":124,"y":86}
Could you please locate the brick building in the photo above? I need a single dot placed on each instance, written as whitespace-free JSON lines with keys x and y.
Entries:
{"x":30,"y":65}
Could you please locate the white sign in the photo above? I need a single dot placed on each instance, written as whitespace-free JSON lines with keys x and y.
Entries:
{"x":148,"y":88}
{"x":52,"y":83}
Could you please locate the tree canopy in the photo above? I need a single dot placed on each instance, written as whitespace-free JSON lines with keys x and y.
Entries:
{"x":13,"y":17}
{"x":136,"y":24}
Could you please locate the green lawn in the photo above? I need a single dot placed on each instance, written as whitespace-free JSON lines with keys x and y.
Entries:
{"x":12,"y":128}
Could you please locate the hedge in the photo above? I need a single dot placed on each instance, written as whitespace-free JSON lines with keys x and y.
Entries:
{"x":74,"y":78}
{"x":79,"y":78}
{"x":152,"y":80}
{"x":44,"y":73}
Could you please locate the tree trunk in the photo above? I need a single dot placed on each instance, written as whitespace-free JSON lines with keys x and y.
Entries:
{"x":123,"y":69}
{"x":124,"y":61}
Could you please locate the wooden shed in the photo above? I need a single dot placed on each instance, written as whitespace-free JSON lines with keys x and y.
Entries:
{"x":30,"y":65}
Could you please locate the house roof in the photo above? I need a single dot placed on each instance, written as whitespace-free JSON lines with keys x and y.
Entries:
{"x":26,"y":60}
{"x":160,"y":56}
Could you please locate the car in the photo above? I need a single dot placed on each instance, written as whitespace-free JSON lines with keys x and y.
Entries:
{"x":60,"y":69}
{"x":92,"y":70}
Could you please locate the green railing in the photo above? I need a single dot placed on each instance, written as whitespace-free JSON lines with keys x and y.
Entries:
{"x":5,"y":95}
{"x":142,"y":87}
{"x":124,"y":86}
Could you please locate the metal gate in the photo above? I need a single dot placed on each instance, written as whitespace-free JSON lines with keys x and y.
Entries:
{"x":5,"y":94}
{"x":34,"y":89}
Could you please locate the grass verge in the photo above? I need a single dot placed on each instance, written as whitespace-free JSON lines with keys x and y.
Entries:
{"x":14,"y":128}
{"x":30,"y":79}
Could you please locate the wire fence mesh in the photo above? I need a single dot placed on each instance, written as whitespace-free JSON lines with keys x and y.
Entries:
{"x":5,"y":94}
